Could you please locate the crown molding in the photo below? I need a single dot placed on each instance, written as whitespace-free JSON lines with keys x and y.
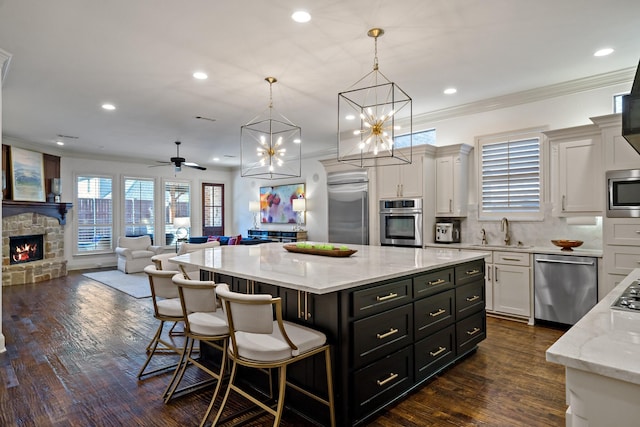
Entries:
{"x":5,"y":60}
{"x":597,"y":81}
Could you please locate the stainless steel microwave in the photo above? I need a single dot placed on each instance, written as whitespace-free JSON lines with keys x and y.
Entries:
{"x":623,"y":198}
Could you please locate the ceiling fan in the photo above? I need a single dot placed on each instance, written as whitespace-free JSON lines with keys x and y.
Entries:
{"x":178,"y":161}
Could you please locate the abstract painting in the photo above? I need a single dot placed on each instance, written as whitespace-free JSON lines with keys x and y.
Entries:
{"x":276,"y":203}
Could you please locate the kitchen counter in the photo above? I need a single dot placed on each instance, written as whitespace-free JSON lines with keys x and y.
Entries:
{"x":601,"y":354}
{"x":271,"y":263}
{"x":604,"y":341}
{"x":553,"y":250}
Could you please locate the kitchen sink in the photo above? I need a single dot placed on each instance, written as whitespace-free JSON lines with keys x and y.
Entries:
{"x":501,"y":246}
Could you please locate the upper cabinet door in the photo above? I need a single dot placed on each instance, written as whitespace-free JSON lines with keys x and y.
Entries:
{"x":444,"y":185}
{"x":618,"y":153}
{"x":401,"y":180}
{"x":451,"y":180}
{"x":577,"y":184}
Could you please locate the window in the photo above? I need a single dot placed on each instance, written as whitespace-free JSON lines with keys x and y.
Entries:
{"x":177,"y":204}
{"x":138,"y":207}
{"x":212,"y":209}
{"x":617,"y":103}
{"x":510,"y":177}
{"x":425,"y":137}
{"x":94,"y":207}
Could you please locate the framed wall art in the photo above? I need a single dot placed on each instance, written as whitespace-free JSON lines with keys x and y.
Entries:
{"x":27,"y":175}
{"x":276,"y":203}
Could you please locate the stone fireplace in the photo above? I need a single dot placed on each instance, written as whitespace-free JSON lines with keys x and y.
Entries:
{"x":24,"y":228}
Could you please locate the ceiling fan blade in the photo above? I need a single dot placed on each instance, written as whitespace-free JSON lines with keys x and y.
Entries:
{"x":160,"y":164}
{"x":195,"y":166}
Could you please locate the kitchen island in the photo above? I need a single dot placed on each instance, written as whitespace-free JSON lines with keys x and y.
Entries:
{"x":394,"y":316}
{"x":601,"y":355}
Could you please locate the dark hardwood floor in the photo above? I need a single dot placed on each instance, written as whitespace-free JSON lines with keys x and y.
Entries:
{"x":74,"y":348}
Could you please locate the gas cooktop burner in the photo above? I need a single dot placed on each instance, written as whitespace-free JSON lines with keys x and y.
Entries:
{"x":630,"y":298}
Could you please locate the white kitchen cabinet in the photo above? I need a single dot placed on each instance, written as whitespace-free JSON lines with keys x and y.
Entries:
{"x":618,"y":153}
{"x":621,"y":259}
{"x":508,"y":284}
{"x":512,"y":283}
{"x":576,"y":172}
{"x":451,"y":180}
{"x":400,"y":180}
{"x":622,"y":231}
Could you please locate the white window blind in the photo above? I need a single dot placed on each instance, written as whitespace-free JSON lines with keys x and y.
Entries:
{"x":94,"y":208}
{"x":511,"y":176}
{"x":138,"y":207}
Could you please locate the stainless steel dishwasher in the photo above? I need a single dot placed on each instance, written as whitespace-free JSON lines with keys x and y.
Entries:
{"x":565,"y":287}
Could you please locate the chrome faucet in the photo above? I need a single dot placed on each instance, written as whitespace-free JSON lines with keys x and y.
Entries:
{"x":484,"y":236}
{"x":504,"y":226}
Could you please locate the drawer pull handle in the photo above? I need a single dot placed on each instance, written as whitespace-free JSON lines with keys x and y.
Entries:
{"x":472,"y":272}
{"x":637,"y":231}
{"x":386,"y":297}
{"x":436,"y":282}
{"x":435,"y":353}
{"x":474,"y":331}
{"x":387,"y":334}
{"x":392,"y":377}
{"x":437,"y":313}
{"x":511,"y":259}
{"x":473,"y":298}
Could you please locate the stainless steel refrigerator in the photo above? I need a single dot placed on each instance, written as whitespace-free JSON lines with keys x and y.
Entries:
{"x":348,"y":207}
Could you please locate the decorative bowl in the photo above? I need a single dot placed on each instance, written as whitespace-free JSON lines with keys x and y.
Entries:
{"x":567,"y":245}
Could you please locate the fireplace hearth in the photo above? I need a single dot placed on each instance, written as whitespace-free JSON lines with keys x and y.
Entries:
{"x":24,"y":249}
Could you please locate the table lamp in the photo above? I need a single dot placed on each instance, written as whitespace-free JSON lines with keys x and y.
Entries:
{"x":255,"y":208}
{"x":299,"y":206}
{"x":182,"y":225}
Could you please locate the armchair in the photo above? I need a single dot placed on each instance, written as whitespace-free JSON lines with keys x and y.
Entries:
{"x":134,"y":253}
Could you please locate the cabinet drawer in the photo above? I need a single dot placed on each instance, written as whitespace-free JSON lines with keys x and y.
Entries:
{"x":622,"y":231}
{"x":511,"y":258}
{"x":469,"y":272}
{"x":470,"y":331}
{"x":469,"y":298}
{"x":432,"y":283}
{"x":381,"y":297}
{"x":381,"y":334}
{"x":434,"y":352}
{"x":621,"y":259}
{"x":383,"y":381}
{"x":433,"y":313}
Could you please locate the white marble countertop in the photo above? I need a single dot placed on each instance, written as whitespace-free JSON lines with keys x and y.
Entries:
{"x":604,"y":341}
{"x":553,"y":250}
{"x":271,"y":263}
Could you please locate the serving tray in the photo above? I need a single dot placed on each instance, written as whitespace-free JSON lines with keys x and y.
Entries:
{"x":337,"y":252}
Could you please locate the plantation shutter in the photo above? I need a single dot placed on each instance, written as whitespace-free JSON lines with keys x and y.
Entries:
{"x":511,"y":176}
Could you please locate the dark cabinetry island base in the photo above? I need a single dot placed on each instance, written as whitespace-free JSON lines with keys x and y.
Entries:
{"x":388,"y":337}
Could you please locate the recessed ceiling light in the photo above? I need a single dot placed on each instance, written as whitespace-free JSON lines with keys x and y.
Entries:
{"x":603,"y":52}
{"x":450,"y":91}
{"x":109,"y":107}
{"x":296,"y":141}
{"x":216,"y":159}
{"x":59,"y":142}
{"x":301,"y":16}
{"x":349,"y":117}
{"x":200,"y":75}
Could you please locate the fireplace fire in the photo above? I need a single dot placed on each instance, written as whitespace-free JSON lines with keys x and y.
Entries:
{"x":26,"y":248}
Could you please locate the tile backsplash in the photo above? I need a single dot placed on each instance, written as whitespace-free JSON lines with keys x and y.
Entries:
{"x":536,"y":233}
